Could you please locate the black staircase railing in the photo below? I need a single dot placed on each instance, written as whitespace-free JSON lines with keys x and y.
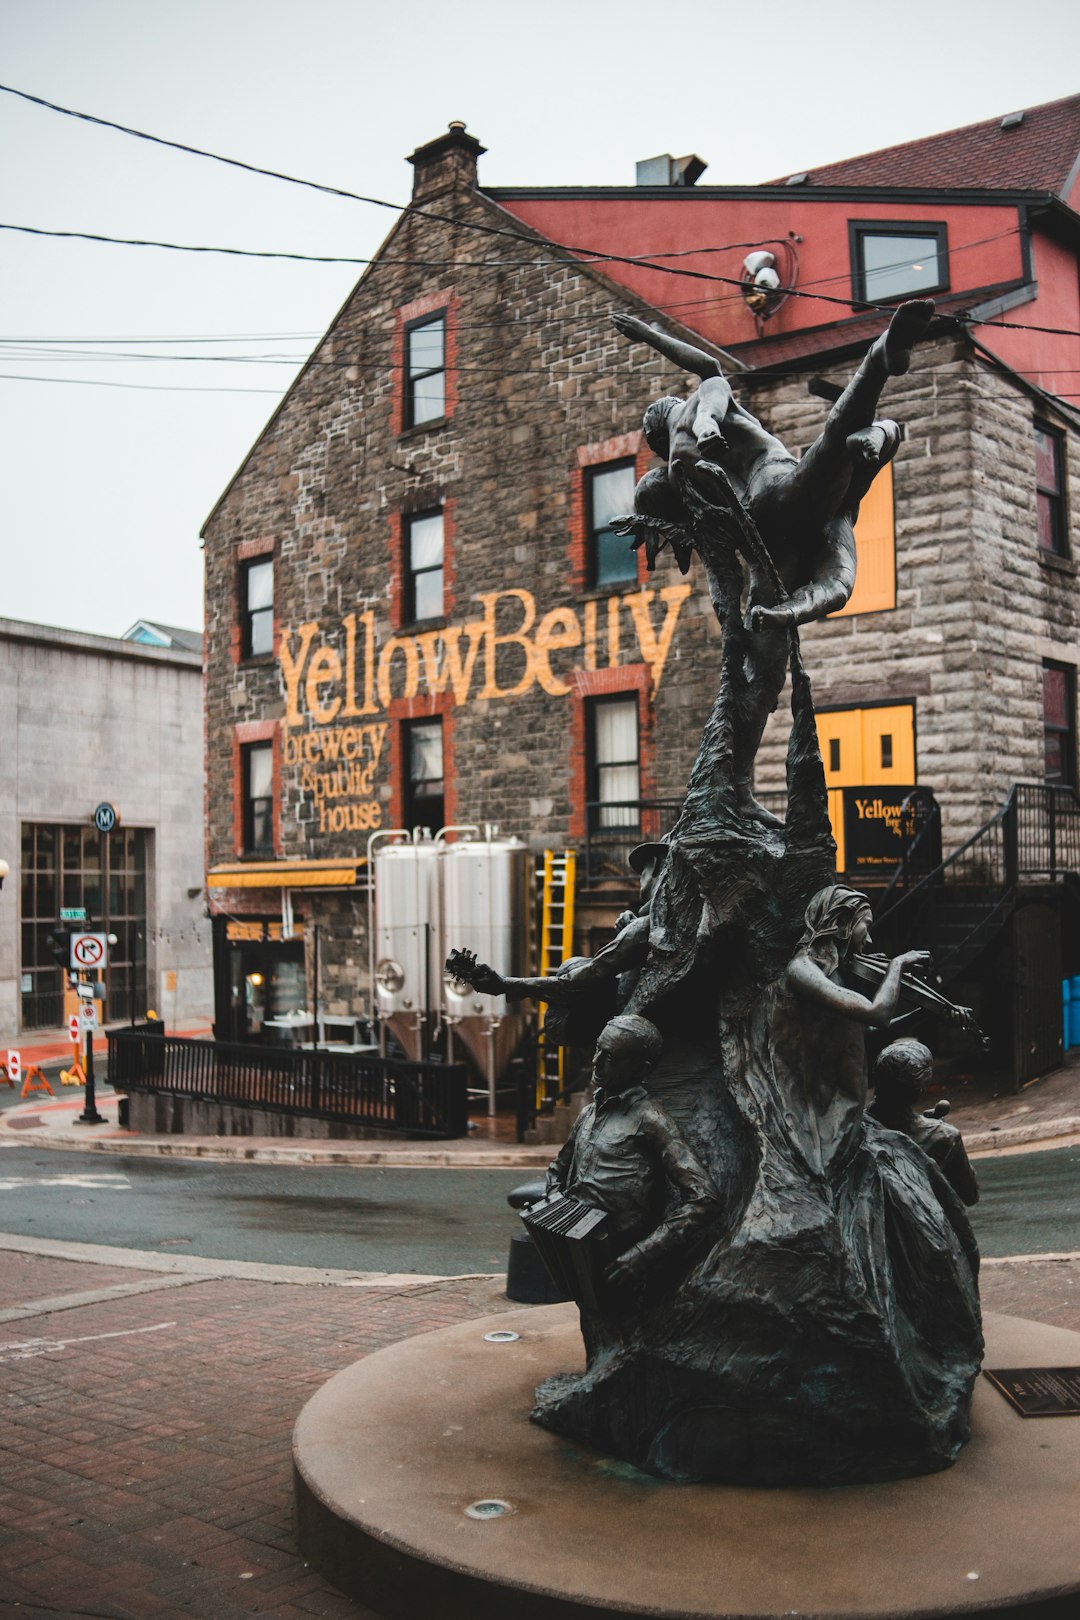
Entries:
{"x":958,"y":907}
{"x":357,"y":1088}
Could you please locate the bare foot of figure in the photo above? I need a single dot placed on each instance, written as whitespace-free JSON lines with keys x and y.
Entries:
{"x":768,"y":618}
{"x":749,"y":807}
{"x":867,"y":445}
{"x":907,"y":326}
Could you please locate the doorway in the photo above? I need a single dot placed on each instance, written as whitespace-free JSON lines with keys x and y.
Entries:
{"x":868,"y":747}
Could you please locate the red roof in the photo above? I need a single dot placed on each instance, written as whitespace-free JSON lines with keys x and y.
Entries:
{"x":1038,"y":154}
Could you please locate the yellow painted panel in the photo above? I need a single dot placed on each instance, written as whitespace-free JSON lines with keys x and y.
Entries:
{"x":836,"y":817}
{"x":875,"y":547}
{"x":860,"y":741}
{"x":286,"y":875}
{"x":888,"y":745}
{"x":840,"y":737}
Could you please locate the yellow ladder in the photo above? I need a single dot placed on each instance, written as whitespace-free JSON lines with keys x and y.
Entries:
{"x":556,"y":944}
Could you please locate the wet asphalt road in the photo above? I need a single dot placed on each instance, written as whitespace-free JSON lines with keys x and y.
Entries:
{"x":376,"y":1219}
{"x":440,"y":1221}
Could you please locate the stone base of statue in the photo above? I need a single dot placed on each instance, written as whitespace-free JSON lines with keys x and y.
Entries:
{"x":423,"y":1489}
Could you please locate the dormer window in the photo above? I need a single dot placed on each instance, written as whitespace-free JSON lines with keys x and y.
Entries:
{"x":897,"y":260}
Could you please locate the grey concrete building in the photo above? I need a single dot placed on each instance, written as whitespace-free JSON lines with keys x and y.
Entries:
{"x":91,"y":720}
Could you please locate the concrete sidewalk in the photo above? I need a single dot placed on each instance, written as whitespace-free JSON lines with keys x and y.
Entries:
{"x":145,"y":1452}
{"x":1045,"y":1114}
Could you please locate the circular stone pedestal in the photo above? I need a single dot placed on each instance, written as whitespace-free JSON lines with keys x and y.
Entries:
{"x":392,"y":1453}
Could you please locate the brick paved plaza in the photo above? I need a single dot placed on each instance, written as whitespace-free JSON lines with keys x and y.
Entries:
{"x":145,"y":1452}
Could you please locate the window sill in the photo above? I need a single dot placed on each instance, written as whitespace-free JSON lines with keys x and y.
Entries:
{"x":423,"y":427}
{"x":1057,"y":563}
{"x":440,"y":622}
{"x":620,"y":587}
{"x":256,"y":661}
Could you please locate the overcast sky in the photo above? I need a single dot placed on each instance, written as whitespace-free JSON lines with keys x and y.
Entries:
{"x":104,"y":489}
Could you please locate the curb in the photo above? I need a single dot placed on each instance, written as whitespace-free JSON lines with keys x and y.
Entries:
{"x":982,"y":1143}
{"x":239,"y":1149}
{"x":1035,"y":1135}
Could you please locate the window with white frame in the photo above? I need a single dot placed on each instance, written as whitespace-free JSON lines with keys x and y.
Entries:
{"x":613,"y":759}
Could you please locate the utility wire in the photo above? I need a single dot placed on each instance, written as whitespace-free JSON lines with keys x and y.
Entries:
{"x":583,"y":254}
{"x":961,"y":318}
{"x":162,"y":388}
{"x":412,"y":208}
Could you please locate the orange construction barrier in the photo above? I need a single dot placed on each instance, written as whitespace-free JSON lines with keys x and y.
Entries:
{"x":5,"y":1078}
{"x":31,"y":1084}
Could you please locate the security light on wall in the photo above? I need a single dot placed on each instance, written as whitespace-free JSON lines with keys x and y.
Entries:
{"x":768,"y":277}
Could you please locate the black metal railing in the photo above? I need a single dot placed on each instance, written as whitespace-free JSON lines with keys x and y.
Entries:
{"x":388,"y":1094}
{"x":958,"y":906}
{"x":1047,"y":831}
{"x":42,"y":1009}
{"x":921,"y":855}
{"x":614,"y":827}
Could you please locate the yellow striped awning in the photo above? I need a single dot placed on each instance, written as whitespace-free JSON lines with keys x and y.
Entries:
{"x":286,"y":874}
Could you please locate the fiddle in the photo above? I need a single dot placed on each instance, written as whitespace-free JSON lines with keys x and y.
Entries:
{"x":870,"y":968}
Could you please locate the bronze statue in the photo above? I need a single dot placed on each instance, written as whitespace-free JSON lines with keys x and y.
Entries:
{"x":816,"y":1320}
{"x":626,"y":1156}
{"x":831,"y":1333}
{"x":900,"y":1075}
{"x":731,"y":492}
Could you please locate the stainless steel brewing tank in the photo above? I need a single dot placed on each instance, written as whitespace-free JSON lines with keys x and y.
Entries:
{"x":486,"y":908}
{"x":408,"y":941}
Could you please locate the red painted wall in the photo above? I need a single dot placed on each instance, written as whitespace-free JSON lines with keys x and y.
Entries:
{"x":1044,"y":358}
{"x":634,"y":225}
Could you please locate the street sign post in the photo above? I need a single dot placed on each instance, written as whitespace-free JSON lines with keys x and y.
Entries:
{"x":87,"y":1015}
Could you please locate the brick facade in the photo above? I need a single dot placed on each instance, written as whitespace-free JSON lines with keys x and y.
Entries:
{"x":545,"y":387}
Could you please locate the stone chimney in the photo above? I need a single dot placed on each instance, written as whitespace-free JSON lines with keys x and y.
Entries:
{"x":447,"y":161}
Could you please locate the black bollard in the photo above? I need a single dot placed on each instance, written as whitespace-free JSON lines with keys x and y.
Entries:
{"x":90,"y":1115}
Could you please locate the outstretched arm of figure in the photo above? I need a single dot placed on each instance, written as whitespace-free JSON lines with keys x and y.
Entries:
{"x":625,"y":951}
{"x":808,"y":981}
{"x":681,"y":354}
{"x":828,"y":589}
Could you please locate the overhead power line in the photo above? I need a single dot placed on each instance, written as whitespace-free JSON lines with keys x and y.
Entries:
{"x":158,"y":388}
{"x":861,"y":305}
{"x":582,"y":253}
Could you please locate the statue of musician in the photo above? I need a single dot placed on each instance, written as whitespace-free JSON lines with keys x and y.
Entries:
{"x":899,"y":1076}
{"x":625,"y":1155}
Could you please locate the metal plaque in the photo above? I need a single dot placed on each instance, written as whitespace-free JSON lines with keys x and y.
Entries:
{"x":1039,"y":1391}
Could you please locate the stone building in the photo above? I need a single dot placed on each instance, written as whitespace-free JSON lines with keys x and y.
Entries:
{"x":91,"y":721}
{"x":416,"y":611}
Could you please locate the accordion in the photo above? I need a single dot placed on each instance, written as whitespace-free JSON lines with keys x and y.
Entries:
{"x":575,"y":1241}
